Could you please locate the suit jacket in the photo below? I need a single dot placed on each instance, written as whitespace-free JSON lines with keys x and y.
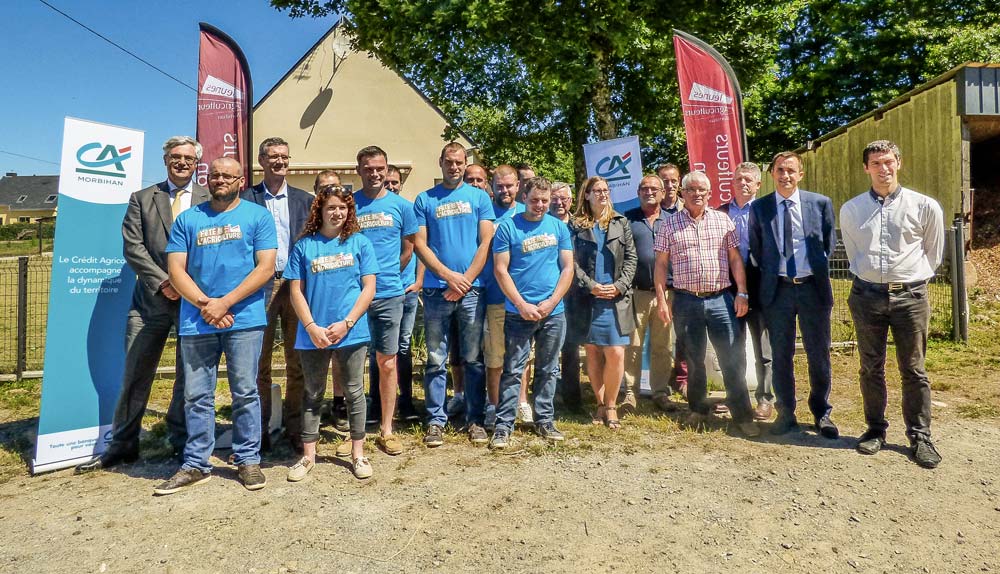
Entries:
{"x":622,"y":247}
{"x":820,"y":236}
{"x":750,"y":269}
{"x":299,"y":203}
{"x":145,"y":231}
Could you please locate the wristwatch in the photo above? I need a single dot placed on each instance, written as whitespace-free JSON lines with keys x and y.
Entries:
{"x":350,"y":324}
{"x":744,"y":295}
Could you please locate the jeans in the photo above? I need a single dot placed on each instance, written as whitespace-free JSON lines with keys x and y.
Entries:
{"x":907,"y":314}
{"x":279,"y":306}
{"x":201,"y":365}
{"x":696,"y":320}
{"x":385,"y":317}
{"x":349,"y":370}
{"x":759,"y":338}
{"x":470,"y":312}
{"x":145,"y":338}
{"x":802,"y":302}
{"x":548,"y":336}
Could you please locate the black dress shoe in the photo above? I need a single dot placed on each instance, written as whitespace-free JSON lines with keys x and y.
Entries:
{"x":826,"y":428}
{"x":106,"y":460}
{"x":784,"y":424}
{"x":871,"y":442}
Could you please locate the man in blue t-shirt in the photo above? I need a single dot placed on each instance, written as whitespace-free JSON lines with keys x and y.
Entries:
{"x":220,"y":255}
{"x":505,"y":188}
{"x":455,"y":228}
{"x":533,"y":256}
{"x":387,"y":220}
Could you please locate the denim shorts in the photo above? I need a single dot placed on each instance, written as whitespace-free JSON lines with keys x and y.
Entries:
{"x":384,"y":318}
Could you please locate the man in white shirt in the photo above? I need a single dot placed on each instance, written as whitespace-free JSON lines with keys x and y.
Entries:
{"x":894,"y":239}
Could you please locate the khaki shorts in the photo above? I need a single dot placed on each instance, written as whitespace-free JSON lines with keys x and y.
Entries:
{"x":493,"y":345}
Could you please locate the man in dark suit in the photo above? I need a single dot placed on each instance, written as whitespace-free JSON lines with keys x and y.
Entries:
{"x":290,"y":208}
{"x":791,"y":238}
{"x":747,"y":179}
{"x":155,"y":303}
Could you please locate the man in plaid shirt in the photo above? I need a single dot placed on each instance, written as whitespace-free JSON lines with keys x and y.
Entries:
{"x":701,"y":246}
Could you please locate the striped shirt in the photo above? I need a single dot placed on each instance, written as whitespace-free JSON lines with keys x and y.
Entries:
{"x":698,"y":248}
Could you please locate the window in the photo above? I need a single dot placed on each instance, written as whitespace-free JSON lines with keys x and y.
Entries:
{"x":51,"y":199}
{"x":24,"y":220}
{"x":22,"y":198}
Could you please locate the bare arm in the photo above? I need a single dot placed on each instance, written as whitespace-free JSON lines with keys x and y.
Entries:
{"x":455,"y":280}
{"x":486,"y":230}
{"x":317,"y":333}
{"x":660,"y":283}
{"x":337,"y":331}
{"x":418,"y":283}
{"x":563,"y":285}
{"x":405,"y":251}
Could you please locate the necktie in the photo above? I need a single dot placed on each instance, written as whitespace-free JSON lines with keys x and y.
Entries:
{"x":177,"y":207}
{"x":788,"y":251}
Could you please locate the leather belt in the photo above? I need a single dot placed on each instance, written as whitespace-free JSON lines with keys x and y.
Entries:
{"x":699,"y":294}
{"x":891,"y":287}
{"x":797,"y":280}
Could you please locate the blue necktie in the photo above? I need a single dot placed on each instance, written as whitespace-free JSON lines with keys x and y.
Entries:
{"x":788,"y":251}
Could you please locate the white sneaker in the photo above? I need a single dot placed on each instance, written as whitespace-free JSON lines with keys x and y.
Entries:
{"x":524,"y":414}
{"x":362,"y":468}
{"x":490,"y":422}
{"x":456,"y":405}
{"x":300,"y":469}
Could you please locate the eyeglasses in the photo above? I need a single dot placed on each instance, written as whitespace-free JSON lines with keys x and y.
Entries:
{"x":600,"y":192}
{"x":225,"y":177}
{"x":188,"y":159}
{"x":274,"y":158}
{"x":650,"y":188}
{"x":697,"y":190}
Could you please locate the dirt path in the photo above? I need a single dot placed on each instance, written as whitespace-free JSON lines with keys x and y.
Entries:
{"x":678,"y":501}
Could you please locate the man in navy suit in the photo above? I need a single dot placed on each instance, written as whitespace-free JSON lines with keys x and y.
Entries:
{"x":791,"y":236}
{"x":290,"y":208}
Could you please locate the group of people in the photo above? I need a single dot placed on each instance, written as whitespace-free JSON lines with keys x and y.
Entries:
{"x":508,"y":272}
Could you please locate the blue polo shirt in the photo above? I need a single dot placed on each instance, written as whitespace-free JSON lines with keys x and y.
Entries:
{"x":451,"y":217}
{"x":221,"y":251}
{"x":385,"y":222}
{"x":643,"y":234}
{"x":534,"y":248}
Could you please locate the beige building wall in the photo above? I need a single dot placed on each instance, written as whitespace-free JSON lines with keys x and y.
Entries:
{"x":15,"y":216}
{"x":336,"y":101}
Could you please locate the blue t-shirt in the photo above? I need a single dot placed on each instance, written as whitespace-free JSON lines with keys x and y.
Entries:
{"x":385,"y":221}
{"x":494,"y":295}
{"x":534,"y":248}
{"x":221,"y":251}
{"x":451,"y":217}
{"x":332,"y":272}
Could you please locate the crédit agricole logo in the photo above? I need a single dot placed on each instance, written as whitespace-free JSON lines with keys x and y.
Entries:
{"x":103,"y":161}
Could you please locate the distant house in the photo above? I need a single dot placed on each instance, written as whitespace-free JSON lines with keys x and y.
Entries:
{"x":335,"y":101}
{"x":27,"y":198}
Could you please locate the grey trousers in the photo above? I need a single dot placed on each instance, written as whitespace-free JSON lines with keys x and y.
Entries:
{"x":145,"y":338}
{"x":349,"y":369}
{"x":907,"y":313}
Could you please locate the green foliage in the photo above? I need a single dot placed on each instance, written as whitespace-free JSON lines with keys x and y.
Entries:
{"x":14,"y":231}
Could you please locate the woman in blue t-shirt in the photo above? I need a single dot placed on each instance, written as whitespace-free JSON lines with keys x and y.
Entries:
{"x":332,"y":272}
{"x":605,"y":259}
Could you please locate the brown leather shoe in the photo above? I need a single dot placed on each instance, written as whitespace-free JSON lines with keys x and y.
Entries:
{"x":764,"y":411}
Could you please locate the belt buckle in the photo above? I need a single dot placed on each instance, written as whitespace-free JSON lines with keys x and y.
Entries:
{"x":797,"y":281}
{"x":895,"y":286}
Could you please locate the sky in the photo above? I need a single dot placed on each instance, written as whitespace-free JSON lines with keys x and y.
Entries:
{"x":53,"y":68}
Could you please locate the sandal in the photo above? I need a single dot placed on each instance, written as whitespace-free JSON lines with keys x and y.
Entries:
{"x":600,"y":416}
{"x":612,"y":422}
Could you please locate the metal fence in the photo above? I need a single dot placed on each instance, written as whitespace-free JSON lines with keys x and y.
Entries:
{"x":25,"y":283}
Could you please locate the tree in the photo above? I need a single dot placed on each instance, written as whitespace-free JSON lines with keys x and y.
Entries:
{"x":546,"y":77}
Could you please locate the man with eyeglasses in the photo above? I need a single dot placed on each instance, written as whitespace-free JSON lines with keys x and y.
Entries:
{"x":289,"y":206}
{"x":645,"y":221}
{"x":155,"y":303}
{"x":220,"y":256}
{"x":561,"y":208}
{"x":701,"y":246}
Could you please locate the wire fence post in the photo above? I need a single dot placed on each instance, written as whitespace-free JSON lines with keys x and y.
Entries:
{"x":959,"y":304}
{"x":22,"y":317}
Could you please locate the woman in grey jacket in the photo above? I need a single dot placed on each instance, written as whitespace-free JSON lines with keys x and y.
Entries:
{"x":605,"y":258}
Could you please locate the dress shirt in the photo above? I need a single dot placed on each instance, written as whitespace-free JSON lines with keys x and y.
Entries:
{"x":186,"y":197}
{"x":741,"y":219}
{"x":798,"y":234}
{"x":698,"y":248}
{"x":277,"y":204}
{"x":899,"y":239}
{"x":644,"y":235}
